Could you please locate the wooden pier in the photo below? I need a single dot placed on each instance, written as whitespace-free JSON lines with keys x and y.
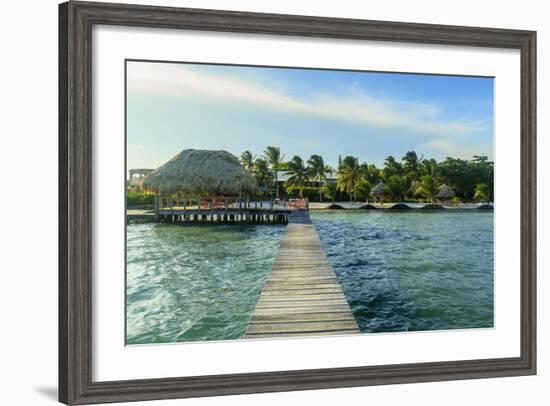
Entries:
{"x":228,"y":215}
{"x":302,"y":295}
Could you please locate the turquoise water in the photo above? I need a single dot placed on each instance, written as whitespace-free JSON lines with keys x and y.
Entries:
{"x":401,"y":271}
{"x":410,"y":271}
{"x":195,"y":283}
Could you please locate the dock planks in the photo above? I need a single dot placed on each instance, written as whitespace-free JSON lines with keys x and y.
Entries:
{"x":302,"y":295}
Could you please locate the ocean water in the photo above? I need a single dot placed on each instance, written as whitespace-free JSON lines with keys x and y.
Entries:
{"x":195,"y":283}
{"x":411,"y":271}
{"x":401,"y":271}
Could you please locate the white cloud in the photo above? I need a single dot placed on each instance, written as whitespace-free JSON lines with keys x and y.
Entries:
{"x":359,"y":106}
{"x":447,"y":148}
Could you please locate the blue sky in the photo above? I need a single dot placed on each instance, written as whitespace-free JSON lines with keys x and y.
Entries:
{"x":171,"y":107}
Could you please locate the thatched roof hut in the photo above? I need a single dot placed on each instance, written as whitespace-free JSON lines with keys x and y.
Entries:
{"x":445,"y":192}
{"x":201,"y":172}
{"x":379,"y":189}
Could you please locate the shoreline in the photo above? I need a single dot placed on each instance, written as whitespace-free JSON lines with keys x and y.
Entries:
{"x":400,"y":206}
{"x":148,"y":215}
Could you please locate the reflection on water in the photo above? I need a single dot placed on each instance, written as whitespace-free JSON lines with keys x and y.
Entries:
{"x":412,"y":271}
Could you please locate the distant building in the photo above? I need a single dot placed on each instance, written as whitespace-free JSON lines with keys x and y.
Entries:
{"x":135,"y":181}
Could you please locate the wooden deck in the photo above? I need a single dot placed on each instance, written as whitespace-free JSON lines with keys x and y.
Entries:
{"x":302,"y":295}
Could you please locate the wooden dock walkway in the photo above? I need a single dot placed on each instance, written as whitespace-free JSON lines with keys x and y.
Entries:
{"x":302,"y":295}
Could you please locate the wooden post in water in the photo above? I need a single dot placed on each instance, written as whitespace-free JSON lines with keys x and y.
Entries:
{"x":157,"y":205}
{"x":240,"y":206}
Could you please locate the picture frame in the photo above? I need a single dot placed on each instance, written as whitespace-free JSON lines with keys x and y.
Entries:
{"x":76,"y":20}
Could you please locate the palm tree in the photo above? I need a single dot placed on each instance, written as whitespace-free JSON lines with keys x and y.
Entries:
{"x":298,"y":174}
{"x":411,"y":165}
{"x":481,"y":192}
{"x":364,"y":188}
{"x":262,"y":173}
{"x":391,"y":168}
{"x":247,"y":159}
{"x":428,"y":187}
{"x":329,"y":190}
{"x":272,"y":155}
{"x":317,"y":171}
{"x":397,"y":186}
{"x":429,"y":167}
{"x":349,"y":175}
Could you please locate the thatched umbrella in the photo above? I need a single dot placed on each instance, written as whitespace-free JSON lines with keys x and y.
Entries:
{"x":201,"y":172}
{"x":445,"y":192}
{"x":379,"y":190}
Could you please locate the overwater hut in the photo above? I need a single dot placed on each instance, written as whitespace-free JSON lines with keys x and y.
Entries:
{"x":379,"y":190}
{"x":203,"y":175}
{"x":445,"y":193}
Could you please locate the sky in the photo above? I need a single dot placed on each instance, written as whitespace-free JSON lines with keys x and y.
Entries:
{"x":176,"y":106}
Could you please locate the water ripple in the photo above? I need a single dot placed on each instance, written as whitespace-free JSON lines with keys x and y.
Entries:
{"x":195,"y":283}
{"x":412,"y":271}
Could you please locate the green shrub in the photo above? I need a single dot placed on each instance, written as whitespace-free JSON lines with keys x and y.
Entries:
{"x":139,"y":198}
{"x":312,"y":193}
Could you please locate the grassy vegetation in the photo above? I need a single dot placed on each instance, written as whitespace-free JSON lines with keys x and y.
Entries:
{"x":139,"y":198}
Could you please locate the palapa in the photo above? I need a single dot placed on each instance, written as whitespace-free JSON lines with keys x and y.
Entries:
{"x":202,"y":172}
{"x":379,"y":189}
{"x":445,"y":192}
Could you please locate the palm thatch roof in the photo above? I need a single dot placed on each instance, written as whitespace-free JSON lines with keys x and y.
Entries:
{"x":202,"y":172}
{"x":379,"y":189}
{"x":445,"y":192}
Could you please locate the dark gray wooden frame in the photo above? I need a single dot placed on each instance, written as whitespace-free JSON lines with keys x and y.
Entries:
{"x":76,"y":20}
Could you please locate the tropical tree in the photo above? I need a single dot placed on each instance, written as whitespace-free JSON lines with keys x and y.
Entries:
{"x":481,"y":193}
{"x":317,"y":171}
{"x":397,"y":186}
{"x":391,"y":168}
{"x":349,"y":161}
{"x":247,"y":160}
{"x":262,"y":173}
{"x":330,"y":190}
{"x":349,"y":176}
{"x":364,"y":188}
{"x":272,"y":155}
{"x":428,"y":187}
{"x":429,"y":167}
{"x":460,"y":175}
{"x":411,"y":165}
{"x":298,"y":174}
{"x":371,"y":173}
{"x":485,"y":170}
